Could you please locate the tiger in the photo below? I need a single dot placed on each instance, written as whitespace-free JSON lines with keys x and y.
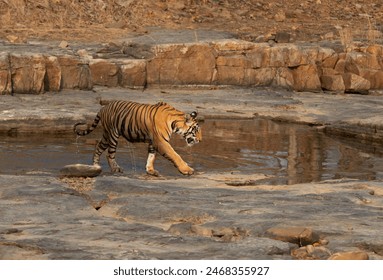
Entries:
{"x":152,"y":124}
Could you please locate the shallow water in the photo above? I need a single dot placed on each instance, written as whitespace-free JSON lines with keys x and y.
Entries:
{"x":287,"y":153}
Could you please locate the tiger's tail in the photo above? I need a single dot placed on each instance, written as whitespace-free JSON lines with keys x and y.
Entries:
{"x":89,"y":129}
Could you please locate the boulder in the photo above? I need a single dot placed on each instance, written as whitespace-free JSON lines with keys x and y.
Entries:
{"x":284,"y":78}
{"x":240,"y":61}
{"x":104,"y":72}
{"x":321,"y":55}
{"x":355,"y":84}
{"x":80,"y":170}
{"x":282,"y":37}
{"x":292,"y":56}
{"x":75,"y":73}
{"x":259,"y":56}
{"x":28,"y":73}
{"x":375,"y":77}
{"x":5,"y":74}
{"x":306,"y":78}
{"x":133,"y":73}
{"x":52,"y":80}
{"x":330,"y":61}
{"x":278,"y":56}
{"x":332,"y":82}
{"x":324,"y":71}
{"x":359,"y":60}
{"x":259,"y":77}
{"x":299,"y":235}
{"x":186,"y":64}
{"x":340,"y":65}
{"x":229,"y":75}
{"x":376,"y":50}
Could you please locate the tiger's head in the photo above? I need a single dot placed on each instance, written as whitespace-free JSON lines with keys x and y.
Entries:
{"x":189,"y":129}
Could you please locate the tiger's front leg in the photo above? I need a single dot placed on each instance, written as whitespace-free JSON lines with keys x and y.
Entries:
{"x":165,"y":149}
{"x":150,"y":161}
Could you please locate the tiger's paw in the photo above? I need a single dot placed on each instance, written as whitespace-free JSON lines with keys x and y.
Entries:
{"x":152,"y":172}
{"x":187,"y":170}
{"x":117,"y":170}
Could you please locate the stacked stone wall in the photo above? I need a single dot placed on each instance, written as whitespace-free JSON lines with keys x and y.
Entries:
{"x":225,"y":62}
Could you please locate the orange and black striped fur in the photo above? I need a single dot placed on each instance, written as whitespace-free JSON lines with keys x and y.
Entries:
{"x":153,"y":124}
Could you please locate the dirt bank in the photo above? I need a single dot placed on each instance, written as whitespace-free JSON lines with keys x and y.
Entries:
{"x":106,"y":20}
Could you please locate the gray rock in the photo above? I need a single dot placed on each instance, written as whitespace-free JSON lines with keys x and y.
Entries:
{"x":80,"y":170}
{"x":181,"y":218}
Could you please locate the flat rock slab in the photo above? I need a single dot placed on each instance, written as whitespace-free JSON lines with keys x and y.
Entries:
{"x":80,"y":170}
{"x":198,"y":217}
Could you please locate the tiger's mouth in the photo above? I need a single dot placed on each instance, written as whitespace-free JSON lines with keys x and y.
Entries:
{"x":191,"y":141}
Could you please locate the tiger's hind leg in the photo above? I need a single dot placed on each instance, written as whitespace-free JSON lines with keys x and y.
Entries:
{"x":100,"y":148}
{"x":150,"y":161}
{"x":110,"y":143}
{"x":111,"y":156}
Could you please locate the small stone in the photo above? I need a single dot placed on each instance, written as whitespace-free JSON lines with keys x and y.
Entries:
{"x":80,"y":170}
{"x":358,"y":6}
{"x":319,"y":253}
{"x":349,"y":256}
{"x":282,"y":37}
{"x":12,"y":38}
{"x":280,"y":16}
{"x":298,"y":235}
{"x":300,"y":253}
{"x":324,"y":242}
{"x":83,"y":53}
{"x":201,"y":231}
{"x":63,"y":44}
{"x":180,"y":228}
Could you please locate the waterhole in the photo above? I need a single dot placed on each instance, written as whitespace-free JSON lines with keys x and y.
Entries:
{"x":286,"y":153}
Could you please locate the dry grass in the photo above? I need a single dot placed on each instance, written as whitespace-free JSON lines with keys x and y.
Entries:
{"x":105,"y":20}
{"x":369,"y":35}
{"x":346,"y":38}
